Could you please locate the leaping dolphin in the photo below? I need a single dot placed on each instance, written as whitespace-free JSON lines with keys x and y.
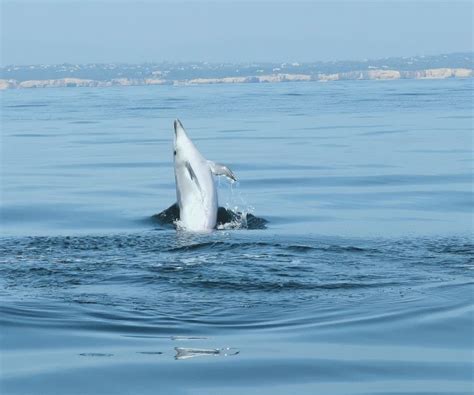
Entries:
{"x":196,"y":191}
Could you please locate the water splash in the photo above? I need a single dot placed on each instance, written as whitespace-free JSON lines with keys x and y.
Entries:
{"x":241,"y":212}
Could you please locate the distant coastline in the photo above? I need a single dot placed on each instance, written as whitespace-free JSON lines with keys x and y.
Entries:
{"x":442,"y":73}
{"x":105,"y":75}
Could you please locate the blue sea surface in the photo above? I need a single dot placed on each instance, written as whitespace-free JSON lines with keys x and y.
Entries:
{"x":362,"y":282}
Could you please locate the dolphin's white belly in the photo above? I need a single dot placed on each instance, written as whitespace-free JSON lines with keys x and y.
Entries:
{"x":197,"y":200}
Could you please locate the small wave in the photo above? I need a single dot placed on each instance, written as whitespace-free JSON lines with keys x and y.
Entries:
{"x":83,"y":122}
{"x":33,"y":135}
{"x":222,"y":245}
{"x":247,"y":285}
{"x":454,"y":248}
{"x":32,"y":105}
{"x":198,"y":246}
{"x":333,"y":248}
{"x":414,"y":94}
{"x":151,"y":108}
{"x":384,"y":132}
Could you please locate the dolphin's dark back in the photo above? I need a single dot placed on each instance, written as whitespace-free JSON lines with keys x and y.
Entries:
{"x":224,"y":216}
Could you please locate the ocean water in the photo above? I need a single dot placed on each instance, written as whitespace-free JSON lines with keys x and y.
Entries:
{"x":362,"y":282}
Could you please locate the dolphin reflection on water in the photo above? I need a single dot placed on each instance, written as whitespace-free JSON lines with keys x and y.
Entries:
{"x":187,"y":353}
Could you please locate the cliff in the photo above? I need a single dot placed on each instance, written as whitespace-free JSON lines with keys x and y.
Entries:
{"x":372,"y":74}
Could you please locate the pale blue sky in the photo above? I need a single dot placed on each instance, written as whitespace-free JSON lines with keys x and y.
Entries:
{"x":230,"y":31}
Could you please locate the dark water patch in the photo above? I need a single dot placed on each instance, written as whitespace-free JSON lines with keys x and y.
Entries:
{"x":376,"y":166}
{"x":455,"y":248}
{"x":411,"y":219}
{"x":90,"y":133}
{"x":33,"y":135}
{"x":28,"y":105}
{"x":415,"y":94}
{"x":300,"y":248}
{"x":199,"y":246}
{"x":30,"y":311}
{"x":150,"y":108}
{"x":83,"y":122}
{"x":331,"y":248}
{"x":327,"y":127}
{"x":384,"y":132}
{"x":334,"y":145}
{"x":442,"y":151}
{"x":455,"y":117}
{"x":176,"y":99}
{"x":122,"y":141}
{"x":450,"y":129}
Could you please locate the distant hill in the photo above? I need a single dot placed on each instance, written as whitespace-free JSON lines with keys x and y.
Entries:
{"x":440,"y":66}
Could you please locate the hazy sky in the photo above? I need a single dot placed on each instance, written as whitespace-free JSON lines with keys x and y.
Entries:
{"x":230,"y":31}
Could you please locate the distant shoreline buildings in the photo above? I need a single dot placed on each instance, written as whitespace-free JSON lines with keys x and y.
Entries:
{"x":106,"y":75}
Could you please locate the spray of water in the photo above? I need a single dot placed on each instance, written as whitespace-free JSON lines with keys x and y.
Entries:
{"x":231,"y":198}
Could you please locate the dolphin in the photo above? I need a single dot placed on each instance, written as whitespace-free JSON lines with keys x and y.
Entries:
{"x":196,"y":191}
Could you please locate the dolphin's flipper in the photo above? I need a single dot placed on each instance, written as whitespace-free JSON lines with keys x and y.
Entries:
{"x":192,"y":175}
{"x":220,"y":170}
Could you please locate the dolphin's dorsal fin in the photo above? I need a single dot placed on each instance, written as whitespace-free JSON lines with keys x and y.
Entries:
{"x":221,"y":170}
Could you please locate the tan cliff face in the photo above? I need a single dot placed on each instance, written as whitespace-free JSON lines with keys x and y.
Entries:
{"x":444,"y":73}
{"x":375,"y":74}
{"x":6,"y":84}
{"x":384,"y":75}
{"x":64,"y":82}
{"x":252,"y":79}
